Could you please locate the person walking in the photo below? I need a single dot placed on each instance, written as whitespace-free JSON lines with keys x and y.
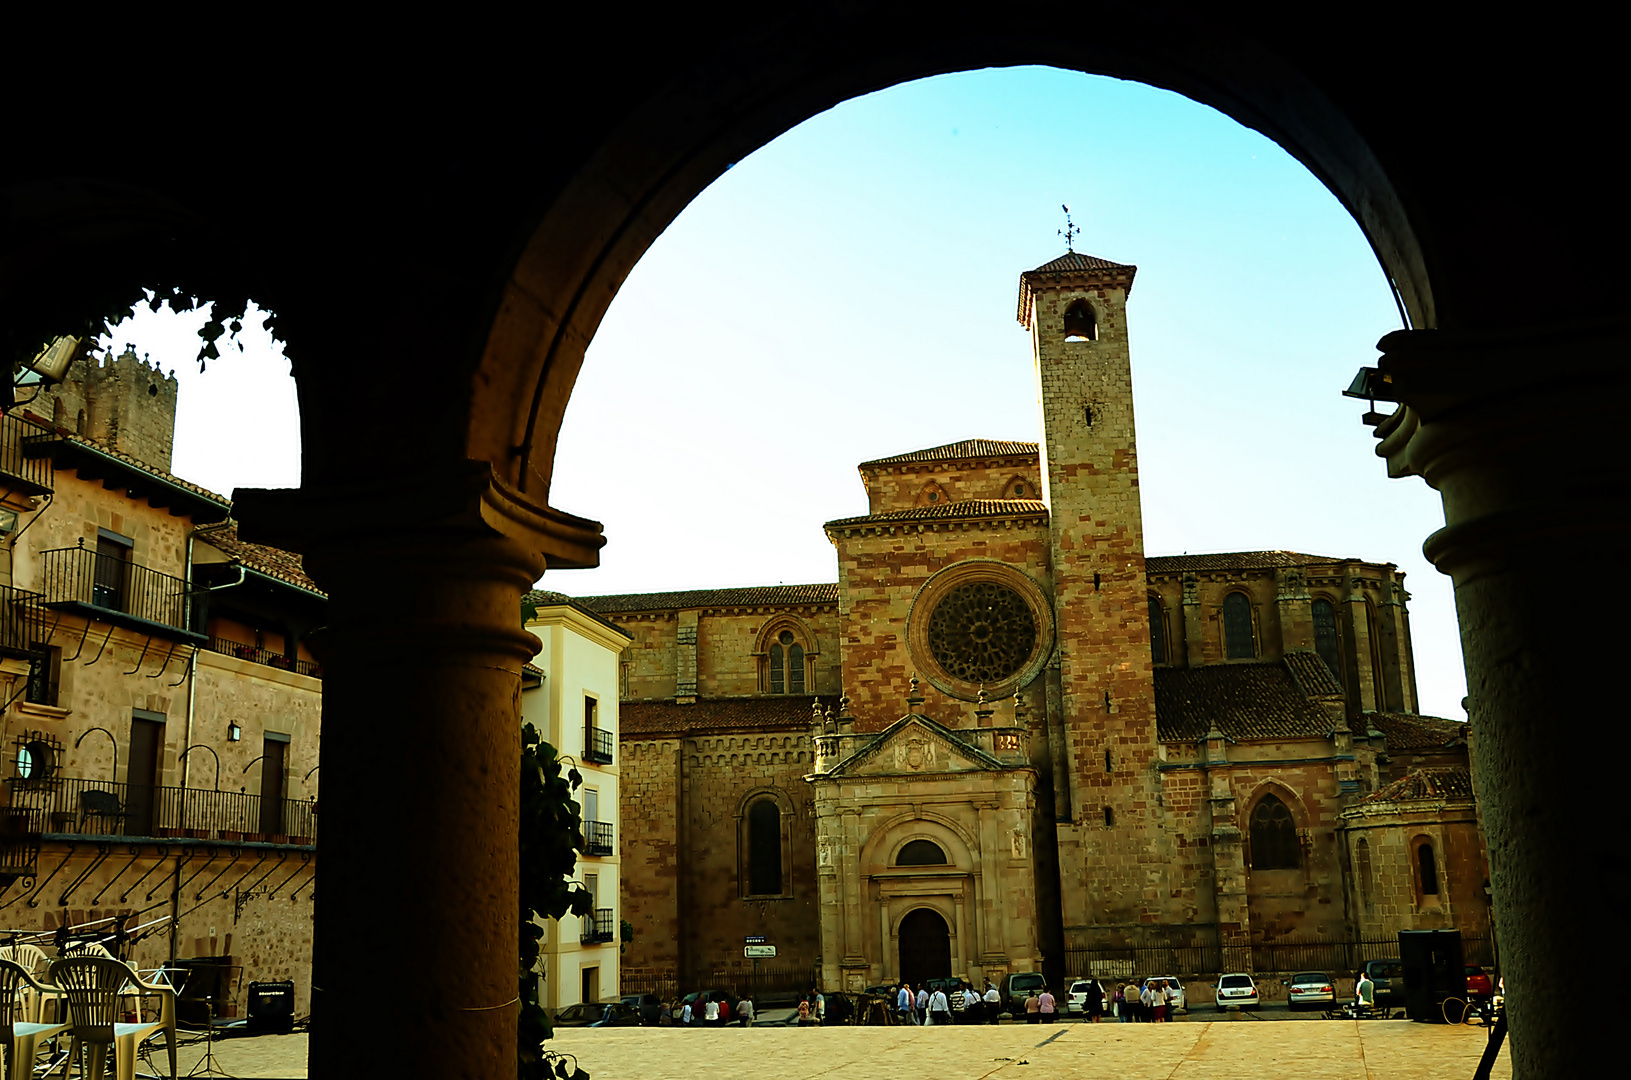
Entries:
{"x":921,"y":1003}
{"x":1158,"y":1002}
{"x":992,"y":1001}
{"x":821,"y":1007}
{"x":1046,"y":1006}
{"x":1365,"y":991}
{"x":903,"y":1004}
{"x":724,"y":1012}
{"x":744,"y":1012}
{"x":685,"y":1015}
{"x":710,"y":1013}
{"x":1093,"y":1001}
{"x":1033,"y":1009}
{"x":939,"y":1006}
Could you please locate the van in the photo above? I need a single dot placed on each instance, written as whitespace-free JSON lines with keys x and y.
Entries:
{"x":1018,"y":986}
{"x":1388,"y":975}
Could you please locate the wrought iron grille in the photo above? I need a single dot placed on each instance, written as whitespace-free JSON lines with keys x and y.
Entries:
{"x":599,"y":927}
{"x":264,"y":656}
{"x":80,"y":807}
{"x":982,"y":632}
{"x":22,"y":621}
{"x":597,"y":745}
{"x":598,"y":839}
{"x":34,"y":470}
{"x":78,"y":576}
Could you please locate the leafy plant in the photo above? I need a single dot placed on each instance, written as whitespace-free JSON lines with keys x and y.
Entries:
{"x":551,"y":837}
{"x":625,"y":934}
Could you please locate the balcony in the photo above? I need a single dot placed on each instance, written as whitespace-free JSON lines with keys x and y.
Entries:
{"x":117,"y":591}
{"x":598,"y":839}
{"x":32,"y":474}
{"x":597,"y":745}
{"x":22,"y":622}
{"x":76,"y":807}
{"x":598,"y":928}
{"x":264,"y":656}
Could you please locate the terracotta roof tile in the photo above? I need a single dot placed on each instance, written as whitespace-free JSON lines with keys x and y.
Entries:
{"x":967,"y":508}
{"x":274,"y":562}
{"x":1233,"y":560}
{"x":1245,"y":701}
{"x":1410,"y":731}
{"x":749,"y":596}
{"x":637,"y":719}
{"x":967,"y":450}
{"x":1426,"y":785}
{"x":1072,"y":261}
{"x":1312,"y":673}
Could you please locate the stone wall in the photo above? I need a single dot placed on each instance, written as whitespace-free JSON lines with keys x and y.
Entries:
{"x":122,"y":402}
{"x":907,"y":484}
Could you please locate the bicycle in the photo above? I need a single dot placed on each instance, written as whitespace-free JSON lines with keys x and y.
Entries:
{"x":1461,"y":1011}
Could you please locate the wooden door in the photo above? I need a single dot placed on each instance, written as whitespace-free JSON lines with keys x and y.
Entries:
{"x":272,"y":765}
{"x":142,"y":777}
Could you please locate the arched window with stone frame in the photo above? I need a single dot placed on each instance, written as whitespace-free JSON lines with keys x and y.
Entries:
{"x":1239,"y":637}
{"x":1158,"y":630}
{"x":1327,"y":637}
{"x":1274,"y":844}
{"x":764,"y":840}
{"x":1081,"y":322}
{"x":1426,"y":869}
{"x":785,"y":663}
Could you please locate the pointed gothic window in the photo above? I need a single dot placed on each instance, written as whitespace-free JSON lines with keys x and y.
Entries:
{"x":1080,"y":322}
{"x":1158,"y":632}
{"x":921,"y":853}
{"x":786,"y":663}
{"x":1238,"y":642}
{"x":1325,"y":636}
{"x":1274,"y":836}
{"x":765,"y":848}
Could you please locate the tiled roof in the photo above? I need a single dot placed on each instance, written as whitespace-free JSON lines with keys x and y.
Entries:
{"x":967,"y":450}
{"x":66,"y":442}
{"x":544,"y":597}
{"x":1233,"y":560}
{"x":1426,"y":785}
{"x":1312,"y":673}
{"x":274,"y":562}
{"x":647,"y":718}
{"x":749,"y":596}
{"x":1074,"y":260}
{"x":1409,"y":731}
{"x":1245,"y":701}
{"x":967,"y":508}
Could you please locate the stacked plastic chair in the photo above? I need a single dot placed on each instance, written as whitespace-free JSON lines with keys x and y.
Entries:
{"x":94,"y":987}
{"x":22,"y":1007}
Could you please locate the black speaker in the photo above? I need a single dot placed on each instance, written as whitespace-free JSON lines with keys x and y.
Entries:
{"x":271,"y":1006}
{"x":1432,"y":972}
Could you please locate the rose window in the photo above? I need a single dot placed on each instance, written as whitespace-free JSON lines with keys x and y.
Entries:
{"x":982,"y":632}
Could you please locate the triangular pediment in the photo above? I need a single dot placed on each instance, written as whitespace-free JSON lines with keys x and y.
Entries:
{"x":915,"y":745}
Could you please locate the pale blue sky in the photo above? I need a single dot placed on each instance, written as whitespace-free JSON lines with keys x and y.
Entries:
{"x":848,"y":292}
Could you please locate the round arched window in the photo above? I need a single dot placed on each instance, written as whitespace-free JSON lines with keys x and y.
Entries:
{"x":786,"y":662}
{"x":921,"y":853}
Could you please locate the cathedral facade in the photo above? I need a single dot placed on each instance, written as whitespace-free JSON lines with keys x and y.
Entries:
{"x":1006,"y":739}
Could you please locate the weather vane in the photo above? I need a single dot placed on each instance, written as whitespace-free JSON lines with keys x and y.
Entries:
{"x":1069,"y":232}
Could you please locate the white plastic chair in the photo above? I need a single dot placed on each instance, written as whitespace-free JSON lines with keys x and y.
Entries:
{"x":20,"y":1030}
{"x":94,"y":986}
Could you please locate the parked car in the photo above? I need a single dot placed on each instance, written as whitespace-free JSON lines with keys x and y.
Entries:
{"x":1179,"y":1002}
{"x":588,"y":1014}
{"x":1236,"y":989}
{"x":1018,"y":986}
{"x":1076,"y":996}
{"x":1311,"y":988}
{"x":1388,"y":977}
{"x":1479,"y":984}
{"x":647,"y":1005}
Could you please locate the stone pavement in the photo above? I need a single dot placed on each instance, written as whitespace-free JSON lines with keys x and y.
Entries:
{"x":1224,"y":1049}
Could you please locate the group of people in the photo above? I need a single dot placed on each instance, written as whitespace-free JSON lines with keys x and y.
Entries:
{"x":713,"y":1010}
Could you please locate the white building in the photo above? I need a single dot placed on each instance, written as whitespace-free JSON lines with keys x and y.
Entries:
{"x":570,"y":695}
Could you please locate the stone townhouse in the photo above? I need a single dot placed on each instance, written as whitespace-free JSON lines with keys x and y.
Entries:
{"x":1006,"y":738}
{"x":161,"y":708}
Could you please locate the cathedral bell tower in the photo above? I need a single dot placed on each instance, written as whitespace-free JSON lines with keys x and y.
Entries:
{"x":1102,"y":708}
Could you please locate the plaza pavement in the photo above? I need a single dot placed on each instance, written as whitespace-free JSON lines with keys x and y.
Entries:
{"x":1237,"y":1049}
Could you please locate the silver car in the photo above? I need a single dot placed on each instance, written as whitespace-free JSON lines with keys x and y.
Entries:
{"x":1311,"y":988}
{"x":1236,"y":989}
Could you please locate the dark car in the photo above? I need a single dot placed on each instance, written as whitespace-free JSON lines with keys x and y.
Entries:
{"x":1018,"y":986}
{"x":1388,"y":975}
{"x":606,"y":1014}
{"x":647,"y":1005}
{"x":1479,"y":984}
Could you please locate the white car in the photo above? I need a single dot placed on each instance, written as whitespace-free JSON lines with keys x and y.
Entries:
{"x":1076,"y":999}
{"x":1178,"y":1002}
{"x":1310,"y":988}
{"x":1236,"y":989}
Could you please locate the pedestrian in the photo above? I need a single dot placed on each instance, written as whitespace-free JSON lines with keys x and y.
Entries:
{"x":1046,"y":1006}
{"x":1093,"y":1001}
{"x":1365,"y":991}
{"x":724,"y":1011}
{"x":685,"y":1015}
{"x":821,"y":1007}
{"x":903,"y":1004}
{"x":710,"y":1013}
{"x":1033,"y":1009}
{"x":939,"y":1006}
{"x":744,"y":1012}
{"x":993,"y":1002}
{"x":1158,"y":1001}
{"x":804,"y":1012}
{"x":921,"y":1004}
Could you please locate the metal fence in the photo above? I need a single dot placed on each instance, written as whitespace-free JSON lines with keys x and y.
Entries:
{"x":598,"y":839}
{"x":17,"y":463}
{"x":768,"y":977}
{"x":78,"y":575}
{"x":69,"y":805}
{"x":598,"y":928}
{"x":597,"y":745}
{"x":22,"y":620}
{"x":1264,"y":957}
{"x":258,"y":655}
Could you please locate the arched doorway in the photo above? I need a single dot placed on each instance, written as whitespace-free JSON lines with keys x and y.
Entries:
{"x":925,"y":947}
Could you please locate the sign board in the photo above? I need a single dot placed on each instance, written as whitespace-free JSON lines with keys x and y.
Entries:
{"x":758,"y":952}
{"x":755,"y":939}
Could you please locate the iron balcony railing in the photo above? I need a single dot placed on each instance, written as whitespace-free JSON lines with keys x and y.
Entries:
{"x":599,"y":927}
{"x":264,"y":656}
{"x":597,"y":838}
{"x":22,"y":622}
{"x":104,"y":585}
{"x":74,"y":806}
{"x":597,"y":745}
{"x":34,"y":473}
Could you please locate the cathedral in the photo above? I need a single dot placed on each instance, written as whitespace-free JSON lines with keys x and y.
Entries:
{"x":1006,"y":739}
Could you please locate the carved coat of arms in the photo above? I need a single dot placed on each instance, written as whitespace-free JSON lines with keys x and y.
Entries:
{"x":914,"y":753}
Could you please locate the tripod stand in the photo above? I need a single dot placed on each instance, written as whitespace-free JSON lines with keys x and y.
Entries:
{"x":207,"y":1065}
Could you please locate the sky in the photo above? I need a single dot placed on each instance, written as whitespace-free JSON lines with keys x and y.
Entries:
{"x":848,"y":292}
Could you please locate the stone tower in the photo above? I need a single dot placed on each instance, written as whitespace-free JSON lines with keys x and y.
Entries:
{"x":122,"y":402}
{"x":1112,"y":858}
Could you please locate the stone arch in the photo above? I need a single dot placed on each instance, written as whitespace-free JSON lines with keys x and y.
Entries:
{"x":1300,"y":820}
{"x":925,"y":937}
{"x":787,"y":816}
{"x":931,"y":494}
{"x":880,"y":849}
{"x":767,"y":643}
{"x":1019,"y":487}
{"x":1081,"y":320}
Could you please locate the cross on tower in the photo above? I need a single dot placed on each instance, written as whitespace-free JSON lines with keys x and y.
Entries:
{"x":1070,"y":231}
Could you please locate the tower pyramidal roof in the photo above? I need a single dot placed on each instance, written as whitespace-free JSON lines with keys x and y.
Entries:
{"x":1080,"y":269}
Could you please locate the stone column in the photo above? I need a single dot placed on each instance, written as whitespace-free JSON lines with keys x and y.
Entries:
{"x":417,"y":913}
{"x":1521,"y":433}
